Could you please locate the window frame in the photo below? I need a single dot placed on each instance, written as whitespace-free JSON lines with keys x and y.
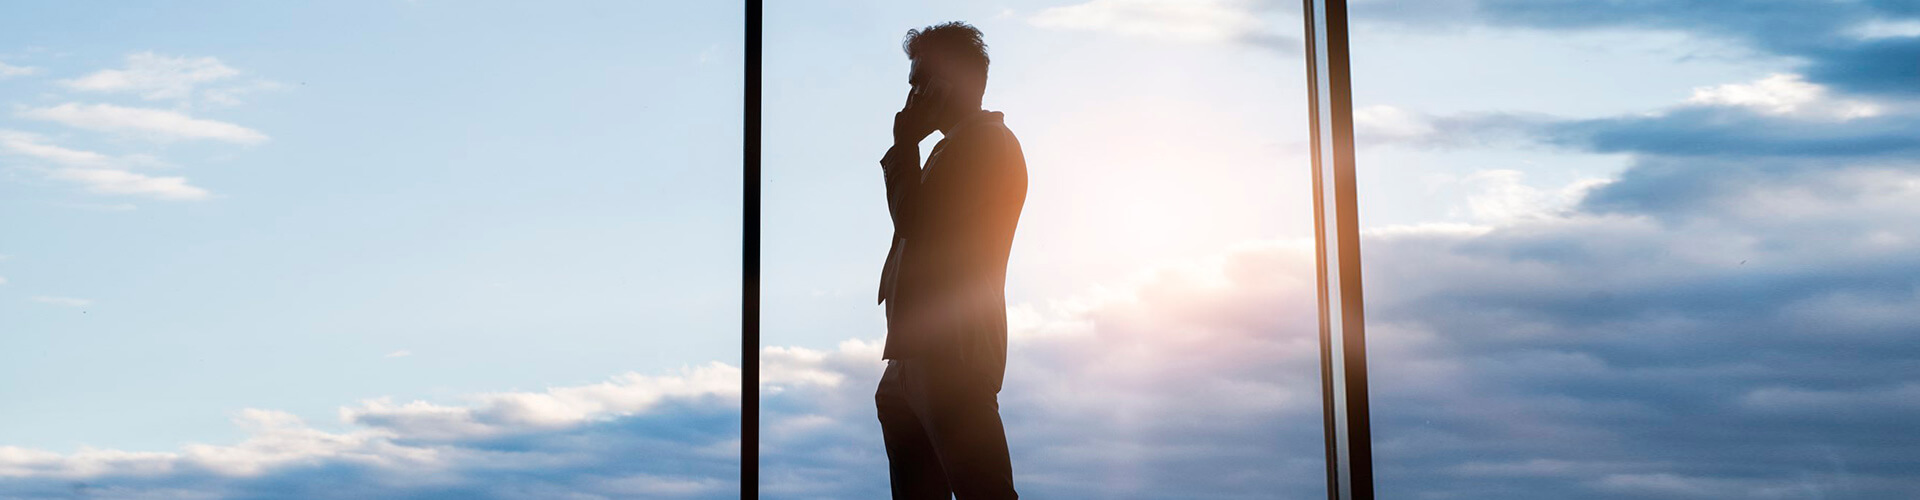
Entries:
{"x":1343,"y":365}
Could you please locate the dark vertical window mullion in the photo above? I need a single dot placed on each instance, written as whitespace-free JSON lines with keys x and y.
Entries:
{"x":1343,"y":368}
{"x":750,"y":262}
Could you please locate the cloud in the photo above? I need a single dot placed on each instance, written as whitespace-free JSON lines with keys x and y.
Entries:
{"x":1782,"y":94}
{"x":61,"y":301}
{"x":100,"y":173}
{"x":672,"y":436}
{"x":3,"y":280}
{"x":1155,"y":392}
{"x":1781,"y":115}
{"x":400,"y":353}
{"x":1562,"y":355}
{"x":495,"y":414}
{"x":1237,"y":21}
{"x":21,"y":143}
{"x":1389,"y":123}
{"x":1502,"y":197}
{"x":1874,"y":29}
{"x":7,"y":71}
{"x":153,"y":123}
{"x":1718,"y":145}
{"x":1716,"y":132}
{"x":1554,"y":354}
{"x":1567,"y":355}
{"x":155,"y":76}
{"x":1828,"y":36}
{"x":1705,"y":156}
{"x":121,"y":182}
{"x":38,"y":147}
{"x":1874,"y":67}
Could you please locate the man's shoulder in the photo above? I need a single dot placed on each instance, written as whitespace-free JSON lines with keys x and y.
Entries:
{"x":982,"y":122}
{"x":987,"y":129}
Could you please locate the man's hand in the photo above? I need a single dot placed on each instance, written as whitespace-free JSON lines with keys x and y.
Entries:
{"x":915,"y":121}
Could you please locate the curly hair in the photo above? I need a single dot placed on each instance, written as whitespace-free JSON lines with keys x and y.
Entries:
{"x":956,"y":41}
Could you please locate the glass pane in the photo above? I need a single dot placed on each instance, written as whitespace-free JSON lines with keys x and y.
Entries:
{"x":1159,"y":295}
{"x":369,"y":249}
{"x":1635,"y":250}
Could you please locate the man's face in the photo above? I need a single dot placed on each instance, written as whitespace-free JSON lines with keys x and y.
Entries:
{"x":930,"y":93}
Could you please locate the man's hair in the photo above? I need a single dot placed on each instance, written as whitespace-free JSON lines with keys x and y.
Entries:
{"x":956,"y":41}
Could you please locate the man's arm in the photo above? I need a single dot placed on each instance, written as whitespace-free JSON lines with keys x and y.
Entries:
{"x":900,"y":168}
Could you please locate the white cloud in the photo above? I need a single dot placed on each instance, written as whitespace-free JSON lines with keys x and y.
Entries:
{"x":788,"y":367}
{"x":505,"y":412}
{"x":1783,"y":94}
{"x":36,"y":146}
{"x":277,"y":438}
{"x":3,"y":280}
{"x":61,"y":301}
{"x":1502,"y":196}
{"x":425,"y":449}
{"x":121,"y":182}
{"x":154,"y":123}
{"x":400,"y":353}
{"x":1882,"y":28}
{"x":25,"y":144}
{"x":1188,"y":21}
{"x":155,"y":76}
{"x":274,"y":439}
{"x":7,"y":71}
{"x":100,"y":173}
{"x":1388,"y":123}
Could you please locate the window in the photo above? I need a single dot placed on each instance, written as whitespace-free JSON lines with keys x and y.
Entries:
{"x":1162,"y":334}
{"x":369,"y":250}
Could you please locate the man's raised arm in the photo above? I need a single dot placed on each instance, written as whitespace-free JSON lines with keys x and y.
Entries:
{"x":901,"y":169}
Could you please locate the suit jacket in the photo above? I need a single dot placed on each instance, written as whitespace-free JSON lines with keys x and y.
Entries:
{"x":953,"y":222}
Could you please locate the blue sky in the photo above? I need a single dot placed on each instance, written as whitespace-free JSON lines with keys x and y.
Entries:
{"x":1613,"y":248}
{"x":423,"y":201}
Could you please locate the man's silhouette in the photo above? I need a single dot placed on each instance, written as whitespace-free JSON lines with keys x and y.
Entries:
{"x":945,"y":278}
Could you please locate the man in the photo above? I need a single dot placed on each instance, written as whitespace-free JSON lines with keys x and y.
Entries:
{"x":945,"y":277}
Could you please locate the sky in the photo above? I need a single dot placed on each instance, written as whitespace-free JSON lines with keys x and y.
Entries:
{"x":299,"y":206}
{"x":1612,"y":249}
